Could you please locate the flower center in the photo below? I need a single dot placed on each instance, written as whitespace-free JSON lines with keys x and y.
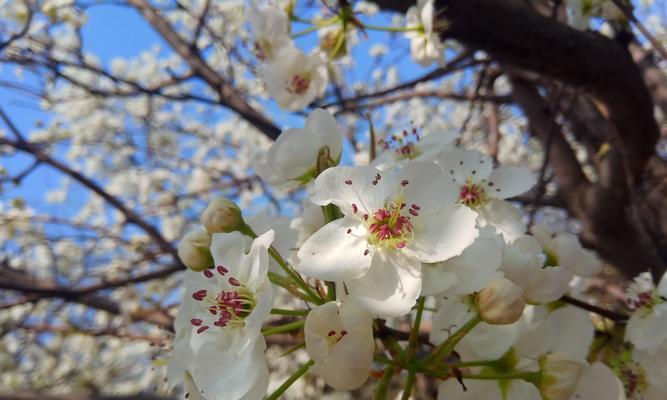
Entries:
{"x":333,"y":337}
{"x":262,"y":49}
{"x":472,"y":194}
{"x":299,"y":83}
{"x":643,"y":301}
{"x":404,"y":145}
{"x":389,"y":227}
{"x":227,"y":308}
{"x":633,"y":378}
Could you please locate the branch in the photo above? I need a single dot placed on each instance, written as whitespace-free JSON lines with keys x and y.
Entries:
{"x":228,"y":96}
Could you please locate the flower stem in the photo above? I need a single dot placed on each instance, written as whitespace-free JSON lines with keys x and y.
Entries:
{"x":289,"y":381}
{"x":409,"y":383}
{"x":274,"y":330}
{"x":527,"y":376}
{"x":448,"y":345}
{"x":280,"y":311}
{"x":371,"y":130}
{"x":309,"y":292}
{"x":383,"y":383}
{"x":414,"y":333}
{"x":393,"y":28}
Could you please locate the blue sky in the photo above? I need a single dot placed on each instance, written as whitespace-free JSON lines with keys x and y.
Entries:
{"x":115,"y":31}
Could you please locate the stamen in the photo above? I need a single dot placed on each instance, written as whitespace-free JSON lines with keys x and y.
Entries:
{"x":222,"y":270}
{"x":199,"y":295}
{"x":348,"y":182}
{"x":202,"y":329}
{"x":208,"y":273}
{"x":404,"y":182}
{"x":234,"y":282}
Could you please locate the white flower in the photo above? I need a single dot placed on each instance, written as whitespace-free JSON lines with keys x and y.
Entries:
{"x":413,"y":145}
{"x":292,"y":158}
{"x":483,"y":188}
{"x":484,"y":342}
{"x":560,"y":375}
{"x":339,"y":338}
{"x":425,"y":44}
{"x":599,"y":382}
{"x":523,"y":264}
{"x":647,"y":327}
{"x":285,"y":236}
{"x":645,"y":377}
{"x":219,"y":342}
{"x":295,"y":79}
{"x":564,"y":249}
{"x":468,"y":272}
{"x":271,"y":30}
{"x":513,"y":389}
{"x":392,"y":223}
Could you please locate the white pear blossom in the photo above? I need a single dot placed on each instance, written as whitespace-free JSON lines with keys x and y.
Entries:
{"x":392,"y":223}
{"x":425,"y":44}
{"x":339,"y":338}
{"x":292,"y":158}
{"x":523,"y":264}
{"x":647,"y":327}
{"x":295,"y":79}
{"x":565,"y":250}
{"x":413,"y":145}
{"x":645,"y":376}
{"x":468,"y":272}
{"x":483,"y":188}
{"x":599,"y":382}
{"x":270,"y":27}
{"x":219,"y":342}
{"x":560,"y":375}
{"x":513,"y":389}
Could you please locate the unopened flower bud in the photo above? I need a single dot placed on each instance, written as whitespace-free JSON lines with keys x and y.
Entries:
{"x":333,"y":42}
{"x":194,"y":250}
{"x":560,"y":375}
{"x":222,"y":216}
{"x":501,"y":302}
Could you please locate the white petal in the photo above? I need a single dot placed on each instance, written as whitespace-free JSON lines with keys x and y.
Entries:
{"x":426,"y":186}
{"x":488,"y":342}
{"x":452,"y":314}
{"x":504,"y":217}
{"x":647,"y":331}
{"x":331,"y":188}
{"x":322,"y":125}
{"x":443,"y":234}
{"x":228,"y":250}
{"x":521,"y":390}
{"x":507,"y":182}
{"x":221,"y":375}
{"x":461,"y":165}
{"x":575,"y":330}
{"x":574,"y":257}
{"x":255,"y":265}
{"x":333,"y":254}
{"x":348,"y":364}
{"x":475,"y":267}
{"x":390,"y":287}
{"x":451,"y":389}
{"x":436,"y":279}
{"x":599,"y":382}
{"x":319,"y":322}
